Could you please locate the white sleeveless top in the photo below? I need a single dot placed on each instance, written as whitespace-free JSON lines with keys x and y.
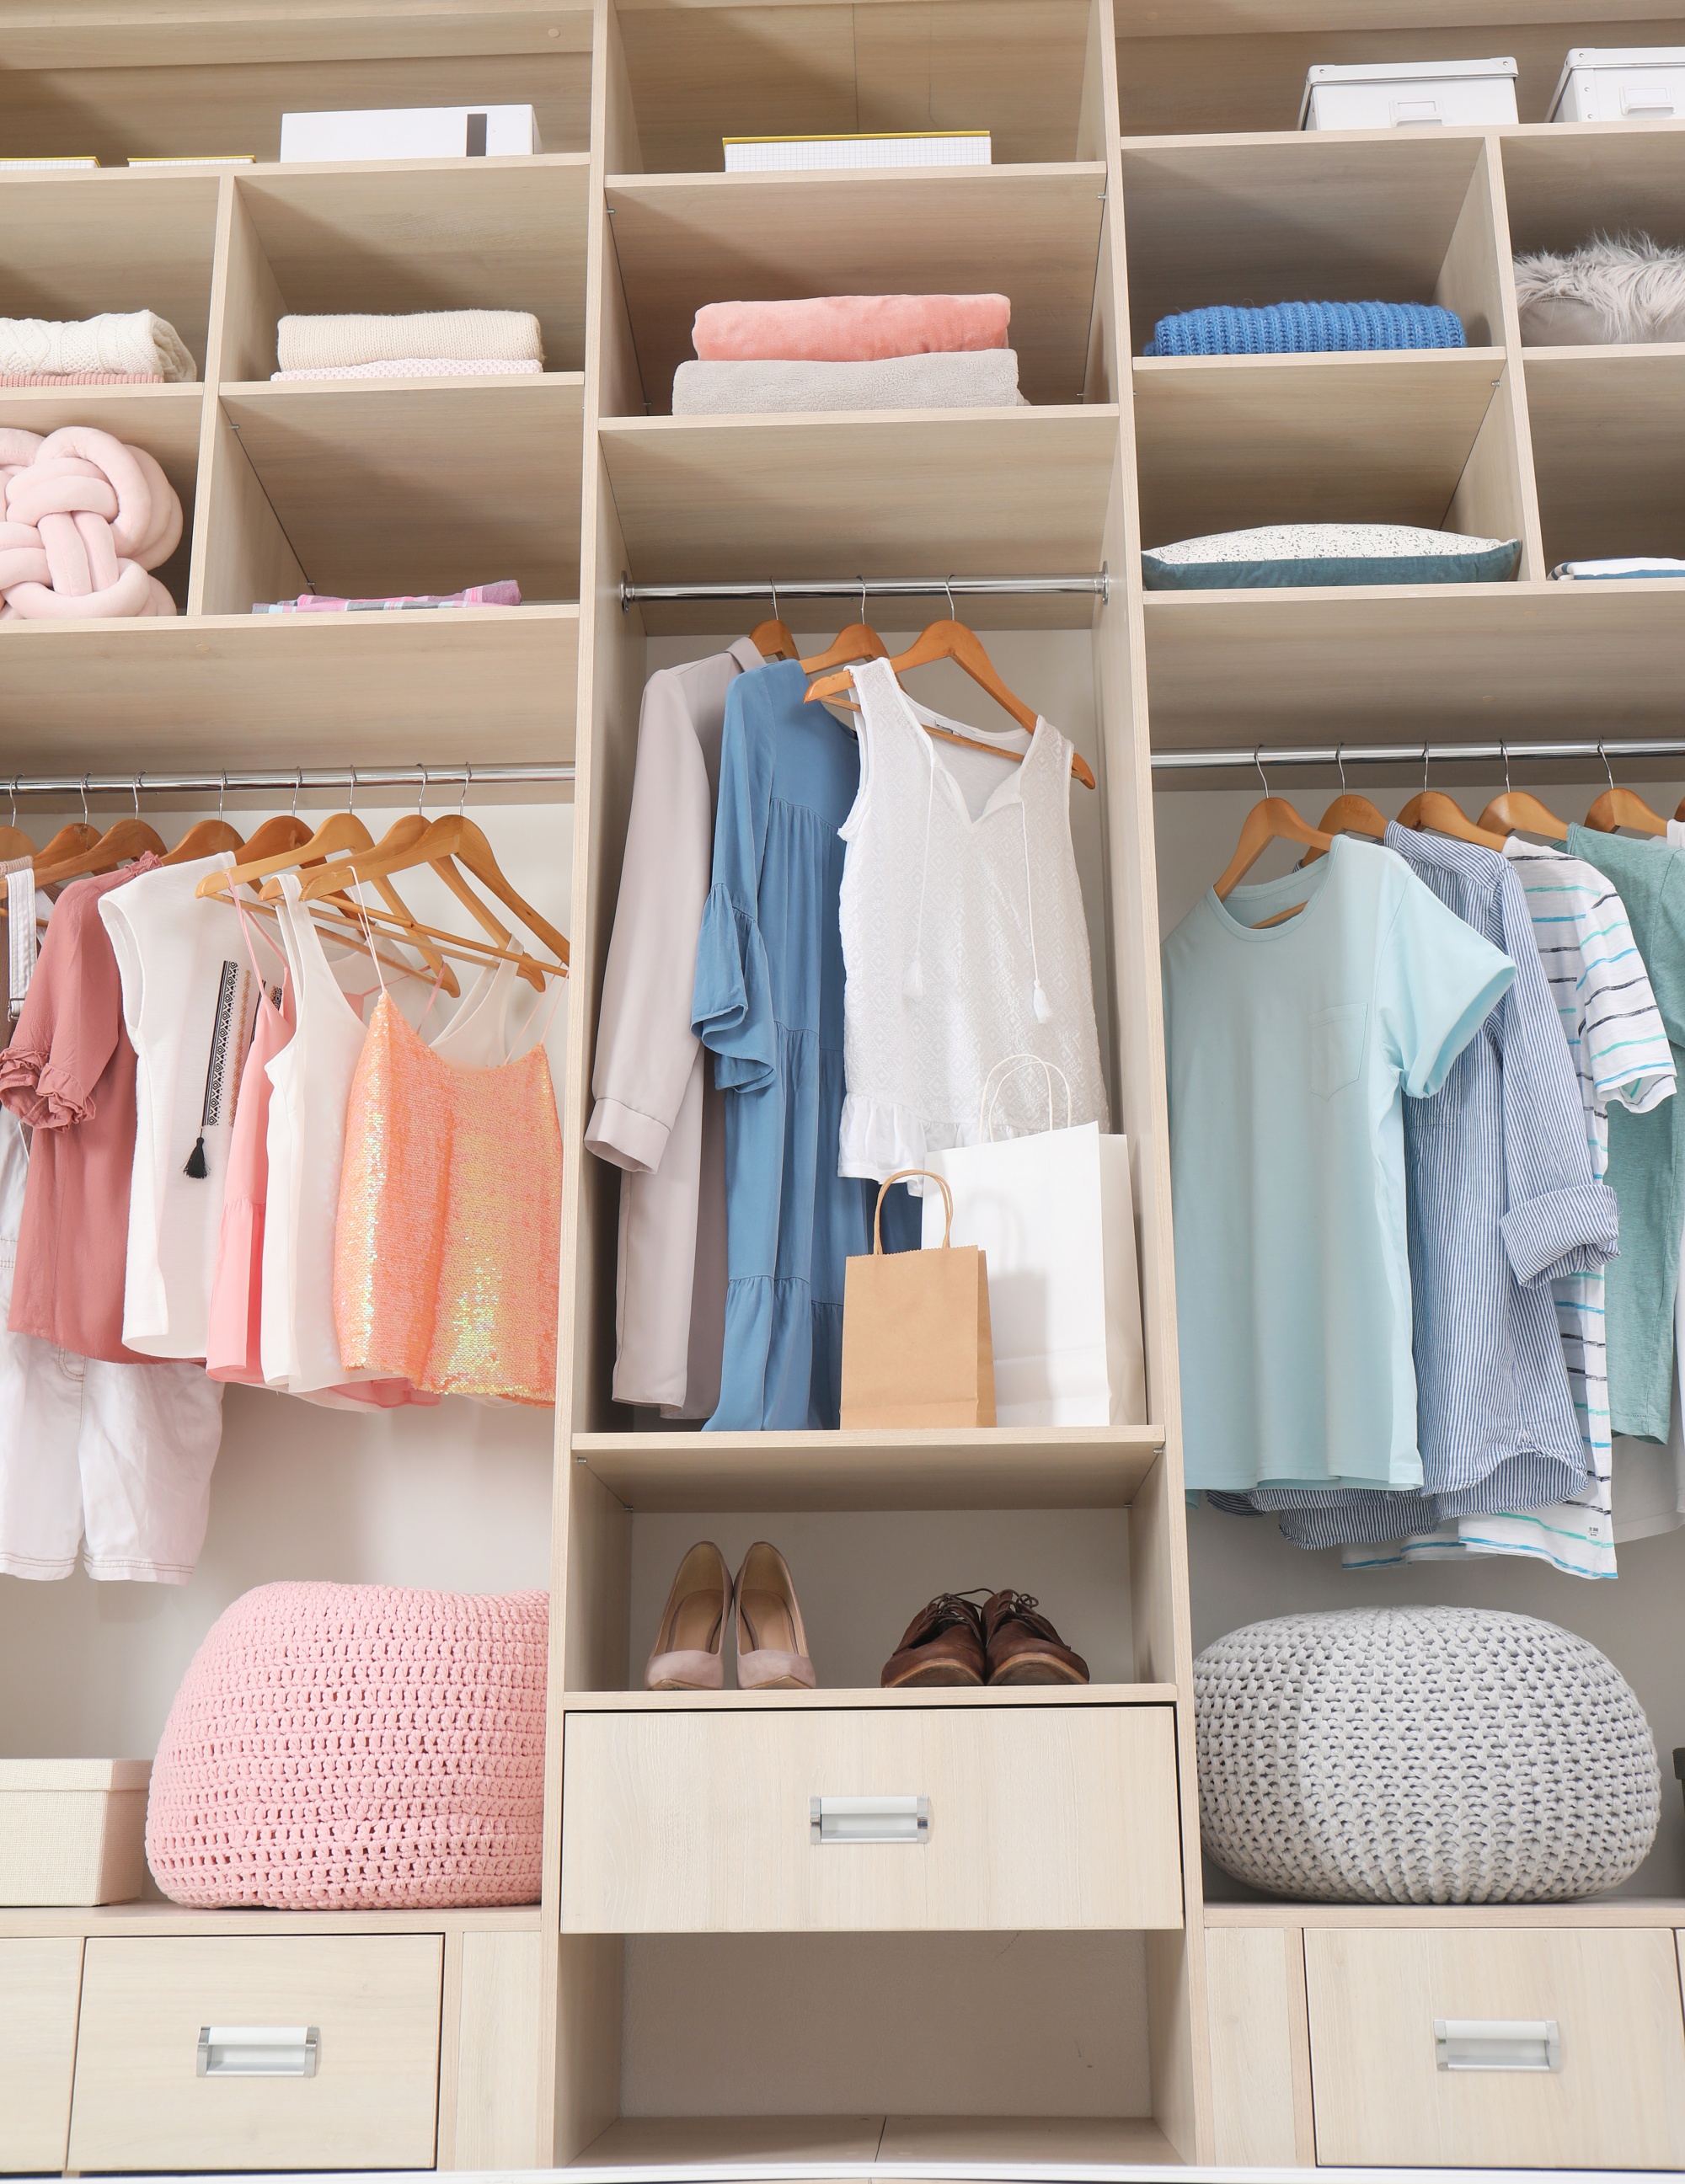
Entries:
{"x":963,"y":938}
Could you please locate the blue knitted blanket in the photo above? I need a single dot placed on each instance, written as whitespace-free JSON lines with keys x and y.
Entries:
{"x":1298,"y":329}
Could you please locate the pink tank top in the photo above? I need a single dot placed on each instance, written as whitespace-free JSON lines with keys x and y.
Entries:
{"x":448,"y":1239}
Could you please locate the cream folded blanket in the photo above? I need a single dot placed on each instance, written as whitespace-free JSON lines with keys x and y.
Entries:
{"x":425,"y":367}
{"x":127,"y":342}
{"x":307,"y":344}
{"x":968,"y":379}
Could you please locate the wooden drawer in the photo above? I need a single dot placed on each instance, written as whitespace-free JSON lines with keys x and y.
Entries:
{"x":699,"y":1821}
{"x":1616,"y":2099}
{"x":373,"y":2000}
{"x":38,"y":1985}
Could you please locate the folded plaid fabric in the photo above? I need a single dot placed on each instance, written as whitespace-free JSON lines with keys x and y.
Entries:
{"x":504,"y":594}
{"x":1302,"y":329}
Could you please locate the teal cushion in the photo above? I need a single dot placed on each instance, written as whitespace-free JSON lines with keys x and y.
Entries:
{"x":1293,"y":554}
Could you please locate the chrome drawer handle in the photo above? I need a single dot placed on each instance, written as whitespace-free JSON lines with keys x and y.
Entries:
{"x":1496,"y":2044}
{"x":258,"y":2051}
{"x":868,"y":1820}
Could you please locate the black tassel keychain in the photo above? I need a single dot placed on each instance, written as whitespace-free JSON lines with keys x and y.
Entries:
{"x":227,"y":1044}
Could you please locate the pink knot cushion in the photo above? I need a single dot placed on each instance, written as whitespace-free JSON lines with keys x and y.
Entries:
{"x":348,"y":1745}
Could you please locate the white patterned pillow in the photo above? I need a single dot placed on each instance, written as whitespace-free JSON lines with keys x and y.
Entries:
{"x":1297,"y":554}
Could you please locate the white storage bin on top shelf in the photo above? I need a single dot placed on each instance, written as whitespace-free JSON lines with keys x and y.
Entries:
{"x":1621,"y":83}
{"x":1409,"y":95}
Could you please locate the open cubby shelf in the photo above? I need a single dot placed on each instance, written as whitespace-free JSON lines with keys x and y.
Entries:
{"x":773,"y":2035}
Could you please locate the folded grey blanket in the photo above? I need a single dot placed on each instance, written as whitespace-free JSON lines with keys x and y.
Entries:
{"x":307,"y":344}
{"x":964,"y":379}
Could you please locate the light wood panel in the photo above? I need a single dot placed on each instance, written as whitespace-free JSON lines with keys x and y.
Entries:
{"x":43,"y":35}
{"x":1001,"y":1467}
{"x":1099,"y":2139}
{"x":637,"y":2141}
{"x":1260,"y":2048}
{"x":1565,"y":184}
{"x":440,"y":686}
{"x":181,"y":95}
{"x":496,"y":2090}
{"x":675,"y":2141}
{"x":79,"y":241}
{"x":139,"y":2104}
{"x":1603,"y":1911}
{"x":1014,"y":67}
{"x":1051,"y":1817}
{"x":1252,"y":76}
{"x":1617,"y":2102}
{"x":1609,"y":450}
{"x":1029,"y":233}
{"x":407,"y":485}
{"x":901,"y":493}
{"x":1265,"y":219}
{"x":40,"y":1982}
{"x":423,"y":235}
{"x":1225,"y":442}
{"x":152,"y":1918}
{"x":1472,"y":662}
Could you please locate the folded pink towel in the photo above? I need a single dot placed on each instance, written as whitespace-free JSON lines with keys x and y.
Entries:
{"x":849,"y":329}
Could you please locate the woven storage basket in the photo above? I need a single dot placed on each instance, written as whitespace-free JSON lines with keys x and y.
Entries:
{"x":344,"y":1745}
{"x":1421,"y":1755}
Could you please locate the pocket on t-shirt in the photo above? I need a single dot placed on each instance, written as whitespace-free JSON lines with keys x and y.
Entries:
{"x":1337,"y":1047}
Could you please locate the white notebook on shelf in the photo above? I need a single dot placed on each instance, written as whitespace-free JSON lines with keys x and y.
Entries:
{"x":943,"y":147}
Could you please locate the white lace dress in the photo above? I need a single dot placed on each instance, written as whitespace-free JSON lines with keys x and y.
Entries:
{"x":963,"y":938}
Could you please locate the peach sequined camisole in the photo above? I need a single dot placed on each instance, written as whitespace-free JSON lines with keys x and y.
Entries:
{"x":447,"y":1245}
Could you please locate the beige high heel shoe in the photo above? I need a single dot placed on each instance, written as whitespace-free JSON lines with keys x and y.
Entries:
{"x":776,"y":1657}
{"x":690,"y":1650}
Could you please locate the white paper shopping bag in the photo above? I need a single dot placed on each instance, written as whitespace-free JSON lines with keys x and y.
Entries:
{"x":1055,"y":1216}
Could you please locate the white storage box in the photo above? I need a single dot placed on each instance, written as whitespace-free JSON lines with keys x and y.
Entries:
{"x":72,"y":1831}
{"x":1621,"y":83}
{"x":412,"y":133}
{"x":1409,"y":95}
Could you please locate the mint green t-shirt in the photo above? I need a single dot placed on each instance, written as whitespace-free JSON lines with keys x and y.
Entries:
{"x":1289,"y":1048}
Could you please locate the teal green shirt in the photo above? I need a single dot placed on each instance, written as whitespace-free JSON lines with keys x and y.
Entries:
{"x":1289,"y":1048}
{"x":1646,"y":1152}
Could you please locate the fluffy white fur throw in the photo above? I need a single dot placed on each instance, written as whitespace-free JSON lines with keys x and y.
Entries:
{"x":1614,"y":288}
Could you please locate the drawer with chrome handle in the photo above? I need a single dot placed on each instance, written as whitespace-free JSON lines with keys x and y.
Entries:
{"x":693,"y":1820}
{"x":266,"y":2052}
{"x":1496,"y":2044}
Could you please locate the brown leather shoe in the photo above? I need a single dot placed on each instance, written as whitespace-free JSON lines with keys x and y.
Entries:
{"x":943,"y":1644}
{"x":1023,"y":1647}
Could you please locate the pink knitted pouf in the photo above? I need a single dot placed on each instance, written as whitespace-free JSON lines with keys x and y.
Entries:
{"x":340,"y":1745}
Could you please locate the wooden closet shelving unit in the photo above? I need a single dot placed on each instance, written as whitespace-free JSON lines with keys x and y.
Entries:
{"x":1139,"y":168}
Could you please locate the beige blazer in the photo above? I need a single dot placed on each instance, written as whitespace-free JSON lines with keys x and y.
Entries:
{"x":657,"y":1116}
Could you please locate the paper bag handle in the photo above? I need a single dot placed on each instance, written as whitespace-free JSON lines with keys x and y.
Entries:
{"x":901,"y":1176}
{"x":1050,"y":1070}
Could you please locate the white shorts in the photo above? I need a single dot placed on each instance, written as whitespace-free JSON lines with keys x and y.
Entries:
{"x":119,"y":1456}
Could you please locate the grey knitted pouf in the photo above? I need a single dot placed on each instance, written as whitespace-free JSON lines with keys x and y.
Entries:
{"x":1421,"y":1755}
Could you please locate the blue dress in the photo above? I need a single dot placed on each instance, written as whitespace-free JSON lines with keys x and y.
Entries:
{"x":768,"y":1002}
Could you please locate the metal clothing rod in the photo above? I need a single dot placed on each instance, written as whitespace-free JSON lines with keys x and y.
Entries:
{"x":1098,"y":586}
{"x":287,"y":780}
{"x":1192,"y":762}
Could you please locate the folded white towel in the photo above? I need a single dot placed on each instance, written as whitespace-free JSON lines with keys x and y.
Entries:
{"x":129,"y":342}
{"x":422,"y":367}
{"x":964,"y":379}
{"x":306,"y":344}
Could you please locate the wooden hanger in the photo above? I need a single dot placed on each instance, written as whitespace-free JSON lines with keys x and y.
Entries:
{"x":1272,"y":820}
{"x":1431,"y":809}
{"x":210,"y":837}
{"x":1517,"y":812}
{"x":343,"y":830}
{"x":1348,"y":814}
{"x":68,"y":841}
{"x":118,"y":846}
{"x":1623,"y":807}
{"x":859,"y":641}
{"x":771,"y":638}
{"x":457,"y":836}
{"x":285,"y":831}
{"x":953,"y":640}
